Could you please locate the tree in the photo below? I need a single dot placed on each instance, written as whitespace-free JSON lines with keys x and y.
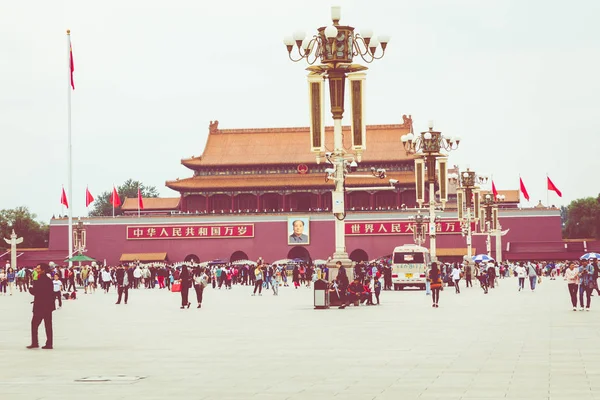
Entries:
{"x":583,"y":219}
{"x":103,"y":207}
{"x":34,"y":233}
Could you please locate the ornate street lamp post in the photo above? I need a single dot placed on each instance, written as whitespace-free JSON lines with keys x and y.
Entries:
{"x":335,"y":46}
{"x":467,"y":198}
{"x":79,"y":238}
{"x":490,"y":225}
{"x":420,"y":228}
{"x":427,"y":149}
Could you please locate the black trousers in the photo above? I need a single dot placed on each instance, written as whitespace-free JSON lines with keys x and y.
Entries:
{"x":199,"y":289}
{"x":35,"y":323}
{"x":468,"y":281}
{"x":184,"y":294}
{"x":58,"y":296}
{"x":121,"y":290}
{"x":71,"y":285}
{"x":573,"y":292}
{"x":258,"y":285}
{"x":435,"y":295}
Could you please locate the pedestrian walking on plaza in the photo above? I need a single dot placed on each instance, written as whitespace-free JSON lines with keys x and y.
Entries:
{"x":521,"y":274}
{"x":71,"y":280}
{"x":185,"y":286}
{"x":3,"y":281}
{"x":435,"y":281}
{"x":125,"y":279}
{"x":572,"y":278}
{"x":468,"y":275}
{"x":57,"y":289}
{"x":592,"y":260}
{"x":106,"y":279}
{"x":275,"y":281}
{"x":200,"y":282}
{"x":586,"y":284}
{"x":456,"y":275}
{"x":43,"y":306}
{"x":258,"y":274}
{"x":11,"y":277}
{"x":296,"y":277}
{"x":342,"y":283}
{"x":533,"y":275}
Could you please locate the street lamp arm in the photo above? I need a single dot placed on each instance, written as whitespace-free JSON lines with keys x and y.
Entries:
{"x":366,"y":48}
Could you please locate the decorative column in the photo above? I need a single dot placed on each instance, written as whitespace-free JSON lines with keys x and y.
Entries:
{"x":207,"y":202}
{"x":13,"y":241}
{"x":258,"y":201}
{"x":372,"y":200}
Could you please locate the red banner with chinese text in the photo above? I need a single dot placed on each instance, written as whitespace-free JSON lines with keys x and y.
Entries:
{"x":190,"y":231}
{"x":400,"y":228}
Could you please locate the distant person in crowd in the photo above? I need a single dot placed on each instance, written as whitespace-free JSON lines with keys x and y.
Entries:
{"x":258,"y":273}
{"x":3,"y":282}
{"x":521,"y":274}
{"x":572,"y":278}
{"x":298,"y":235}
{"x":200,"y":282}
{"x":185,"y":286}
{"x":468,"y":275}
{"x":91,"y":281}
{"x":435,"y":284}
{"x":586,"y":284}
{"x":491,"y":273}
{"x":275,"y":277}
{"x":377,"y":288}
{"x":11,"y":277}
{"x":106,"y":279}
{"x":456,"y":275}
{"x":57,"y":289}
{"x":125,"y":279}
{"x":342,"y":283}
{"x":593,"y":261}
{"x":43,"y":306}
{"x":533,"y":275}
{"x":296,"y":277}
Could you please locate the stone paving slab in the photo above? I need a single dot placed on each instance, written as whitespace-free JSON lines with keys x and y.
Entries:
{"x":503,"y":345}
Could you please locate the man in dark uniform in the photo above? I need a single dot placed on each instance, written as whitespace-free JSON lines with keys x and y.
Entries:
{"x":43,"y":306}
{"x":124,"y":278}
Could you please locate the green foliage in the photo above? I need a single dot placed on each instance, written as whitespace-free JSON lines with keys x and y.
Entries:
{"x":34,"y":233}
{"x":583,"y":219}
{"x":102,"y":206}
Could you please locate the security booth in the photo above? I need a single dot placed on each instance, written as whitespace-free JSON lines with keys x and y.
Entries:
{"x":321,"y":294}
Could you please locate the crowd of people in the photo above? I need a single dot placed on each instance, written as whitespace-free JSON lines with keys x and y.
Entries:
{"x":362,"y":285}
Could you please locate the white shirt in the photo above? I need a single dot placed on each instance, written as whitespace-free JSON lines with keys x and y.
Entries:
{"x":106,"y":276}
{"x":520,"y":270}
{"x":57,"y":285}
{"x":456,"y":274}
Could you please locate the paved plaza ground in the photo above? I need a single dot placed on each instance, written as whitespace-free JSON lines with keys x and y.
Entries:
{"x":504,"y":344}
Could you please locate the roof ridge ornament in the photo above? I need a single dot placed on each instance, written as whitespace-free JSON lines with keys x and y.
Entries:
{"x":213,"y":127}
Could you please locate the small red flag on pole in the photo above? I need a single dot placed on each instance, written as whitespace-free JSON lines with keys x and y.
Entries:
{"x":523,"y":189}
{"x":71,"y":65}
{"x":140,"y":200}
{"x":494,"y":191}
{"x":115,"y":200}
{"x":552,"y":186}
{"x":88,"y":197}
{"x":63,"y":198}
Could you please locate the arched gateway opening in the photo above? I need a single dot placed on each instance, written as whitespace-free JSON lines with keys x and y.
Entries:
{"x":192,"y":258}
{"x":359,"y":255}
{"x":238,"y":255}
{"x":299,"y":252}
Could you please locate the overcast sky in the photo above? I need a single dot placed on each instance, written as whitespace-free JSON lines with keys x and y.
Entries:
{"x":517,"y":79}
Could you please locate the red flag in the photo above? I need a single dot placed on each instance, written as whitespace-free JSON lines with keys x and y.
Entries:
{"x":553,"y":187}
{"x":494,"y":191}
{"x":115,"y":200}
{"x":88,"y":197}
{"x":72,"y":66}
{"x":523,"y":190}
{"x":140,"y":200}
{"x":63,"y":198}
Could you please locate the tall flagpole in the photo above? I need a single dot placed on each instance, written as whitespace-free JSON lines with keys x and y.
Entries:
{"x":547,"y":193}
{"x":70,"y":155}
{"x":138,"y":201}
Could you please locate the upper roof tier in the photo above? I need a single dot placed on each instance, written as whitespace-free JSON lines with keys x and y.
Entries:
{"x":231,"y":147}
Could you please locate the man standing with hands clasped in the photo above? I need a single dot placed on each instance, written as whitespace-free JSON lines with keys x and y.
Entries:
{"x":124,"y":280}
{"x":43,"y":306}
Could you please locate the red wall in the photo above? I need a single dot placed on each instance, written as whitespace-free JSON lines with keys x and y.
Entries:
{"x":106,"y":237}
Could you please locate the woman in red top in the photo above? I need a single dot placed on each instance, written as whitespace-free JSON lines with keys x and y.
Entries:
{"x":436,"y":284}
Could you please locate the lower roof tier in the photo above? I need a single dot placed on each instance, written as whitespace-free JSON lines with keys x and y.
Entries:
{"x":280,"y":181}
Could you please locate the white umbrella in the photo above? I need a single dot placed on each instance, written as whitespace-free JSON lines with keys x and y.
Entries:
{"x":482,"y":258}
{"x":243,"y":262}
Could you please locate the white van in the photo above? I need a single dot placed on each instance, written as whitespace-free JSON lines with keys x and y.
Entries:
{"x":409,"y":266}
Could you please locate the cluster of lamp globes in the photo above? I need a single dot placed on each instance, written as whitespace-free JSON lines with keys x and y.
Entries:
{"x":370,"y":42}
{"x":410,"y":137}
